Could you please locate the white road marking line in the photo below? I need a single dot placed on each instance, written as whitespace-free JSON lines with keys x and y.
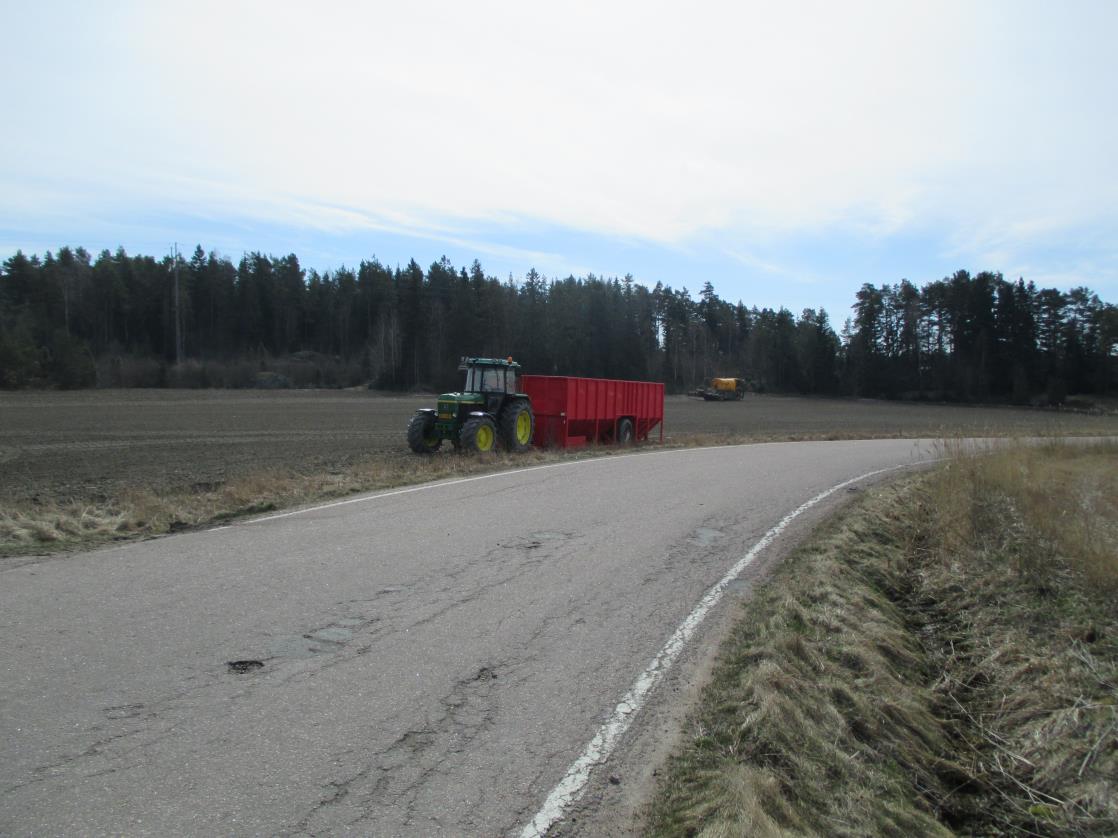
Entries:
{"x":411,"y":489}
{"x":442,"y":483}
{"x":600,"y":748}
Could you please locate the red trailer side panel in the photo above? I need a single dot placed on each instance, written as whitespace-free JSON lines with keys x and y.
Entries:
{"x":573,"y":411}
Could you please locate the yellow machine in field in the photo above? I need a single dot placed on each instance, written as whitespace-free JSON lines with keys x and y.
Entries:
{"x":721,"y":390}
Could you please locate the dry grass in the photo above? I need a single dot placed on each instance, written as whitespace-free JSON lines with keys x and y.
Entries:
{"x":1019,"y":582}
{"x":819,"y":718}
{"x":41,"y":526}
{"x":1052,"y":501}
{"x":48,"y":522}
{"x":942,"y":659}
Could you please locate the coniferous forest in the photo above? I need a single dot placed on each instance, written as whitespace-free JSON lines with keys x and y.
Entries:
{"x":69,"y":320}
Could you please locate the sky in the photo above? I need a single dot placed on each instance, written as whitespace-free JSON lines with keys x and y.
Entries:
{"x":785,"y":152}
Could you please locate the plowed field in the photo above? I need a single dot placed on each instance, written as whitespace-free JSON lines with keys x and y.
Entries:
{"x":94,"y":443}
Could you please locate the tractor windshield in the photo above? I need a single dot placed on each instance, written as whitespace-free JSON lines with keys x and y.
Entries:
{"x":485,"y":380}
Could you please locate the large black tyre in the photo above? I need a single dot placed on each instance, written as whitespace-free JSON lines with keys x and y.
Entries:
{"x":421,"y":434}
{"x":518,"y":424}
{"x":479,"y":435}
{"x":625,"y":432}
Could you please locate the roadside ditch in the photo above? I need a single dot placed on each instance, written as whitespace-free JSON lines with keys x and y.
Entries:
{"x":940,"y":659}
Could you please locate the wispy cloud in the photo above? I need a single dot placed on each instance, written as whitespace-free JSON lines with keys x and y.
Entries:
{"x":976,"y":129}
{"x":773,"y":268}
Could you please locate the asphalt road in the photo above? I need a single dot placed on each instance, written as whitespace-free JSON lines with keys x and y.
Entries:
{"x":434,"y":659}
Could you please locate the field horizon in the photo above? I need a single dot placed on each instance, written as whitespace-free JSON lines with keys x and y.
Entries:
{"x":87,"y":467}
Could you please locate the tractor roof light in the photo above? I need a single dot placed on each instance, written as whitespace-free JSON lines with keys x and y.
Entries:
{"x":466,"y":362}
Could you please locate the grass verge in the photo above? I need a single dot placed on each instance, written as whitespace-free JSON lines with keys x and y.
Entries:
{"x":43,"y":526}
{"x":941,"y":660}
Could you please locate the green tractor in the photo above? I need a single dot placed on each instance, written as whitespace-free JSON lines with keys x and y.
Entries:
{"x":489,"y":411}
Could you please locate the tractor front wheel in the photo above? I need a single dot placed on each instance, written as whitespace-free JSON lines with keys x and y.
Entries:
{"x":517,"y":426}
{"x":479,"y":434}
{"x":421,"y":434}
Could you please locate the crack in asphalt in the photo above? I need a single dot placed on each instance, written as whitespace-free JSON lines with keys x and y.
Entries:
{"x":448,"y":596}
{"x":395,"y":776}
{"x":97,"y":749}
{"x":334,"y":653}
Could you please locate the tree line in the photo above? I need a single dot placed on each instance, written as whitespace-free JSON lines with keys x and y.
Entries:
{"x":69,"y":320}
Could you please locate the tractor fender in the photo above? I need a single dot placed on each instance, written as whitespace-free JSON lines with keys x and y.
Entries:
{"x":480,"y":413}
{"x":430,"y":410}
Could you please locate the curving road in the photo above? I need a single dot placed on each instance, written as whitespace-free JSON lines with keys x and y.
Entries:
{"x":435,"y":660}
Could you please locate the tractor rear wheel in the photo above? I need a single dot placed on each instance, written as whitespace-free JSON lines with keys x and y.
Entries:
{"x":421,"y":434}
{"x":625,"y":432}
{"x":479,"y":434}
{"x":518,"y":423}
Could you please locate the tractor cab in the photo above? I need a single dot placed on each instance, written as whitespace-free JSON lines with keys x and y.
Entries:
{"x":490,"y":378}
{"x":489,"y":382}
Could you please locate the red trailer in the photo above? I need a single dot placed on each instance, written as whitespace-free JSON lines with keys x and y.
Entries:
{"x":573,"y":411}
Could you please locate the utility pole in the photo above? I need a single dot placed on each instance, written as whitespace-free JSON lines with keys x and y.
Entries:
{"x":178,"y":316}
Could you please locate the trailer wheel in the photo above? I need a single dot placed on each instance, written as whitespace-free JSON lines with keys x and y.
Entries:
{"x":625,"y":432}
{"x":479,"y":434}
{"x":518,"y":424}
{"x":421,"y":434}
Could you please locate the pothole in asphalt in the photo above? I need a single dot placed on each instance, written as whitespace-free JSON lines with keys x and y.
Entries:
{"x":124,"y":711}
{"x":241,"y":667}
{"x":705,"y":536}
{"x":549,"y":536}
{"x":320,"y":641}
{"x":332,"y":634}
{"x":300,"y":646}
{"x":535,"y":540}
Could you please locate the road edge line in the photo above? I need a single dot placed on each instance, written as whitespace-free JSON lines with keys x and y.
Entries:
{"x":601,"y":746}
{"x":365,"y":498}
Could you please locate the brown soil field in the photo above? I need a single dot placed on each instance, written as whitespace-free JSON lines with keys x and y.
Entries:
{"x":95,"y":443}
